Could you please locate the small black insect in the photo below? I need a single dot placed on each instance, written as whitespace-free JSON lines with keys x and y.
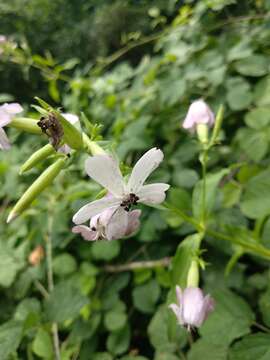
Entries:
{"x":51,"y":126}
{"x":132,"y":199}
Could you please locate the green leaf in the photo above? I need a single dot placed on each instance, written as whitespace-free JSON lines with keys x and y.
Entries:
{"x":118,"y":341}
{"x":202,"y":349}
{"x":262,"y":92}
{"x":42,"y":345}
{"x":264,"y":305}
{"x":258,"y":118}
{"x":9,"y":265}
{"x":212,"y":182}
{"x":64,"y":264}
{"x":159,"y":335}
{"x":251,"y":347}
{"x":253,"y":143}
{"x":254,"y":65}
{"x":10,"y":337}
{"x":231,"y":319}
{"x":145,"y":296}
{"x":105,"y":250}
{"x":239,"y":96}
{"x":115,"y":320}
{"x":65,"y":303}
{"x":255,"y":202}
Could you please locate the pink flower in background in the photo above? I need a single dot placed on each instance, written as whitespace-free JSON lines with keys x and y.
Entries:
{"x":72,"y":119}
{"x":198,"y":113}
{"x":192,"y":307}
{"x":105,"y":170}
{"x":104,"y":226}
{"x":7,"y":112}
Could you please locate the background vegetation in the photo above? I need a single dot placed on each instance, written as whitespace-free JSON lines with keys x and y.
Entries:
{"x":134,"y":67}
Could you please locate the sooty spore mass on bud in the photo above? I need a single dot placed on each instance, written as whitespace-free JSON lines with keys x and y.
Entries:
{"x":51,"y":126}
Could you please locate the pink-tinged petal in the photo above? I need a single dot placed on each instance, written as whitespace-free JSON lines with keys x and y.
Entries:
{"x":3,"y":39}
{"x":85,"y":232}
{"x":117,"y":226}
{"x":143,"y":168}
{"x":193,"y":302}
{"x":5,"y":118}
{"x":94,"y":208}
{"x":133,"y":222}
{"x":71,"y":118}
{"x":153,"y":193}
{"x":12,"y":108}
{"x":177,"y":312}
{"x":105,"y":170}
{"x":4,"y":142}
{"x":208,"y":306}
{"x":106,"y":215}
{"x":198,"y":113}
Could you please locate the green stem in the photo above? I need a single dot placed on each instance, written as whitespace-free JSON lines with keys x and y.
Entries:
{"x":48,"y":239}
{"x":204,"y":171}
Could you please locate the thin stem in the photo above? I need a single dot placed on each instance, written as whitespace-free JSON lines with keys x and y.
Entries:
{"x":204,"y":171}
{"x":138,"y":265}
{"x":261,"y":327}
{"x":48,"y":239}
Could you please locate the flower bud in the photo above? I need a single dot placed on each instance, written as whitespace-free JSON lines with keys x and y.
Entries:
{"x":192,"y":307}
{"x":43,"y":181}
{"x":37,"y":157}
{"x":199,"y":118}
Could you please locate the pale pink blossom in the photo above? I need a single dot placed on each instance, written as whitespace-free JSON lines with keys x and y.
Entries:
{"x":7,"y":112}
{"x":198,"y":113}
{"x":104,"y":226}
{"x":192,"y":307}
{"x":105,"y":170}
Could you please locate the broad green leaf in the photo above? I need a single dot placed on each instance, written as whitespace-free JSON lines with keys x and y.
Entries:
{"x":230,"y":320}
{"x":264,"y":305}
{"x":253,"y":143}
{"x":262,"y":92}
{"x":258,"y":118}
{"x":64,"y":303}
{"x":10,"y":337}
{"x":118,"y":341}
{"x":145,"y":296}
{"x":64,"y":264}
{"x":251,"y":347}
{"x":239,"y":94}
{"x":115,"y":320}
{"x":255,"y":202}
{"x":158,"y":331}
{"x":105,"y":250}
{"x":42,"y":345}
{"x":254,"y":65}
{"x":202,"y":349}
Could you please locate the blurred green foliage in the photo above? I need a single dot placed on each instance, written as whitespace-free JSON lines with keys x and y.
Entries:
{"x":134,"y":67}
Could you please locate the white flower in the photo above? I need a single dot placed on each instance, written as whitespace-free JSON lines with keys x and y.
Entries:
{"x":193,"y":307}
{"x":104,"y":226}
{"x":7,"y":112}
{"x":198,"y":113}
{"x":105,"y":170}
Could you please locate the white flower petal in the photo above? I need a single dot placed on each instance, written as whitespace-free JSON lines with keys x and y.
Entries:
{"x":71,"y":118}
{"x":152,"y":193}
{"x":143,"y":168}
{"x":117,"y":226}
{"x":177,"y":311}
{"x":193,"y":303}
{"x":94,"y":208}
{"x":4,"y":142}
{"x":85,"y":232}
{"x":105,"y":170}
{"x":133,"y":222}
{"x":12,"y":108}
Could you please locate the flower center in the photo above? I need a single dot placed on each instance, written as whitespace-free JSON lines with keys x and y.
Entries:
{"x":131,"y":199}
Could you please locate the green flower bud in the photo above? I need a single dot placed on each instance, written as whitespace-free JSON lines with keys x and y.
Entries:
{"x":37,"y":157}
{"x":92,"y":146}
{"x":41,"y":183}
{"x":25,"y":124}
{"x":202,"y":133}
